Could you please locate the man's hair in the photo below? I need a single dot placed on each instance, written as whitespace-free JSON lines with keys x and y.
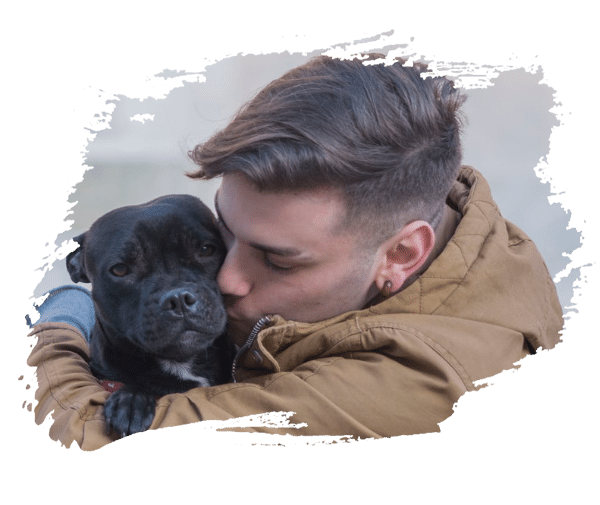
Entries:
{"x":384,"y":137}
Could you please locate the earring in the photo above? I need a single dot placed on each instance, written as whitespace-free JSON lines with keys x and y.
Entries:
{"x":387,"y":289}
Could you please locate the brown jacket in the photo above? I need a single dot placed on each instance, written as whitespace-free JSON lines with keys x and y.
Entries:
{"x":394,"y":368}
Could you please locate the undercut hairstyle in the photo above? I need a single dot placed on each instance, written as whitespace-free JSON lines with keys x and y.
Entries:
{"x":385,"y":137}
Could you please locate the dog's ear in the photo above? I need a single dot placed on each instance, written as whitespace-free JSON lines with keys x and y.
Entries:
{"x":75,"y":263}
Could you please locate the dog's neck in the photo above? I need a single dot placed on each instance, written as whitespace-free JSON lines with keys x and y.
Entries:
{"x":105,"y":356}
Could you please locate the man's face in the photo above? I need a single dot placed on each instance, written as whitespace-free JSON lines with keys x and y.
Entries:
{"x":287,"y":255}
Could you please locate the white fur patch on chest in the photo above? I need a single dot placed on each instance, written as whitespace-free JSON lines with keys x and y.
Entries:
{"x":183,"y":371}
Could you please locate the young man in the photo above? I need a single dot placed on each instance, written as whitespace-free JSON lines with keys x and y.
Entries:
{"x":370,"y":280}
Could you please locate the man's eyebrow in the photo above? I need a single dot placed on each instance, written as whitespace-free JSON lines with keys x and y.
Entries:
{"x":278,"y":251}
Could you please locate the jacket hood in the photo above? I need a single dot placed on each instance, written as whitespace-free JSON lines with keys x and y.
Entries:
{"x":490,"y":271}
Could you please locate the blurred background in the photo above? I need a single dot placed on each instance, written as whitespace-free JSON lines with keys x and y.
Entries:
{"x":144,"y":152}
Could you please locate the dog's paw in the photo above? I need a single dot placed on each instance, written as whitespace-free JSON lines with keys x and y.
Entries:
{"x":128,"y":411}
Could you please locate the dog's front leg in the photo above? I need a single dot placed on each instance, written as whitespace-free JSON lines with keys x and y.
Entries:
{"x":129,"y":411}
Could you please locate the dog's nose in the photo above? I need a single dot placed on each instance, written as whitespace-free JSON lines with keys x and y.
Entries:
{"x":178,"y":301}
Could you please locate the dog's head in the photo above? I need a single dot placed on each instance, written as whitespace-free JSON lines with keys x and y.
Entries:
{"x":153,"y":271}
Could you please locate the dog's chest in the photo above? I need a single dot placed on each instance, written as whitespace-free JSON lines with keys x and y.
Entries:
{"x":183,"y":371}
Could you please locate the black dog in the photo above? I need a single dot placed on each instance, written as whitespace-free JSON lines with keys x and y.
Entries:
{"x":160,"y":319}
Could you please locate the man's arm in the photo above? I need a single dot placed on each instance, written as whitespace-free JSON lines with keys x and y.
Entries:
{"x":67,"y":388}
{"x":367,"y":395}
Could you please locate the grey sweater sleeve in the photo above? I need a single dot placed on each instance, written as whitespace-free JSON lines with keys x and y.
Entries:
{"x":68,"y":304}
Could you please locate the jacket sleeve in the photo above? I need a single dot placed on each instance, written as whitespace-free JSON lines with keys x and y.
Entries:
{"x":66,"y":387}
{"x":360,"y":395}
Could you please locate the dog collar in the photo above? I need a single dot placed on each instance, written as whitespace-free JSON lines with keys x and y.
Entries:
{"x":111,"y":386}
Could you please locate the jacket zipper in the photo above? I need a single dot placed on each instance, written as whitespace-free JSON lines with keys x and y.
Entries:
{"x":260,"y":324}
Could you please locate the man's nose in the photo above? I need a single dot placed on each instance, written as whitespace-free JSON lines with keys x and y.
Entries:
{"x":232,"y":278}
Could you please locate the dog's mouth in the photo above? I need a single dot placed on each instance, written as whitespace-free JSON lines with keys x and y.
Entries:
{"x":182,"y":345}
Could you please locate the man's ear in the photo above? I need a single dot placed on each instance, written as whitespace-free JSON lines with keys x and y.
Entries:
{"x":75,"y":263}
{"x":403,"y":254}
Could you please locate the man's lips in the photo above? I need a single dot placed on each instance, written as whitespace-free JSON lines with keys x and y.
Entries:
{"x":232,"y":314}
{"x":230,"y":303}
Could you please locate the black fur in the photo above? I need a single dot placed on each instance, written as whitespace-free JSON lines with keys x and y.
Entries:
{"x":153,"y":271}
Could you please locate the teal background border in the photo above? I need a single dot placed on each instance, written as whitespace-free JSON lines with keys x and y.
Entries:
{"x":528,"y":437}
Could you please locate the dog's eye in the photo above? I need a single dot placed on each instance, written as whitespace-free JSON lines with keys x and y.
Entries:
{"x":205,"y":250}
{"x":119,"y":270}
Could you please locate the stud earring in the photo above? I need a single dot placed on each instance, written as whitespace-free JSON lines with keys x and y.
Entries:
{"x":387,"y":289}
